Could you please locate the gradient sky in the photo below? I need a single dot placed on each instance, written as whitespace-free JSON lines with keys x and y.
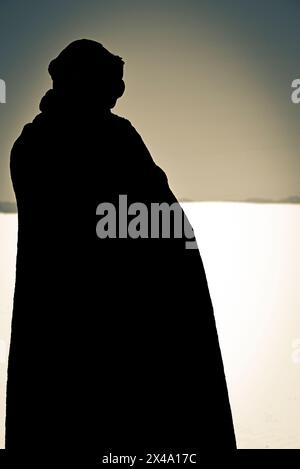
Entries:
{"x":208,"y":85}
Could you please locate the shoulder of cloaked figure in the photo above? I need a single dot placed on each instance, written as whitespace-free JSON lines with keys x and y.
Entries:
{"x":27,"y":139}
{"x":31,"y":127}
{"x":121,"y":121}
{"x":129,"y":128}
{"x":24,"y":135}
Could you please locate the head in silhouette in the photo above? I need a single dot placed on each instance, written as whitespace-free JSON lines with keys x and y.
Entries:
{"x":87,"y":75}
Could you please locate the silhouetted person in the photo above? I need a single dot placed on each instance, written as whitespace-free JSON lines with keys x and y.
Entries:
{"x":113,"y":344}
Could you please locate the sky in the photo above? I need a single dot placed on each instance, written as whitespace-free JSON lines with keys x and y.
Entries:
{"x":208,"y":85}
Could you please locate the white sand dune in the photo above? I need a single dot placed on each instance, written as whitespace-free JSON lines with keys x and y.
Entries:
{"x":252,"y":260}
